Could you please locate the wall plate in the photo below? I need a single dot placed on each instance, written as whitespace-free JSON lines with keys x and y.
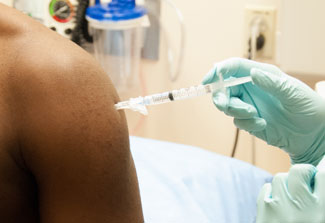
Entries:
{"x":268,"y":16}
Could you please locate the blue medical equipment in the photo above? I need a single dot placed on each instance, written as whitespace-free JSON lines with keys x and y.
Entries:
{"x":117,"y":29}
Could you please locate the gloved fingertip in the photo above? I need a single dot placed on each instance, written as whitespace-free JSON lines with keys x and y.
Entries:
{"x":301,"y":173}
{"x":241,"y":110}
{"x":265,"y":195}
{"x":251,"y":125}
{"x":221,"y":101}
{"x":208,"y":79}
{"x":210,"y":76}
{"x":301,"y":180}
{"x":261,"y":124}
{"x":258,"y":76}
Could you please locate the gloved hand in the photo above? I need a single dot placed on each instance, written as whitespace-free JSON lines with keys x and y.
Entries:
{"x":294,"y":197}
{"x":277,"y":108}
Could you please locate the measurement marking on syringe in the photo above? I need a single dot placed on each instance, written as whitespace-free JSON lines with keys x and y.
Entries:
{"x":170,"y":96}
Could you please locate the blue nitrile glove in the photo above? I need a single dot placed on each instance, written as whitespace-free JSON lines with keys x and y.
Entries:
{"x":294,"y":197}
{"x":277,"y":108}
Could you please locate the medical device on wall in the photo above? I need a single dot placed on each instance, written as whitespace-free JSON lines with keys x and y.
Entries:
{"x":60,"y":16}
{"x":66,"y":17}
{"x":139,"y":104}
{"x":117,"y":29}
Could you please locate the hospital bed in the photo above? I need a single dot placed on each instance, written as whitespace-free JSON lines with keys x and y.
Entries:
{"x":181,"y":183}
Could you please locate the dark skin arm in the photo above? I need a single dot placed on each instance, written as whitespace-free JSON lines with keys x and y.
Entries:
{"x":71,"y":138}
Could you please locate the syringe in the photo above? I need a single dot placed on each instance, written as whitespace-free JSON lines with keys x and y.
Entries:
{"x":139,"y":104}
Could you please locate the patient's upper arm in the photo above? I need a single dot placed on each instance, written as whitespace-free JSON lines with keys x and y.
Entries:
{"x":75,"y":143}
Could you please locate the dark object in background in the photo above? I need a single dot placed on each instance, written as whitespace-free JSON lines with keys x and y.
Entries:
{"x":260,"y":42}
{"x":80,"y":33}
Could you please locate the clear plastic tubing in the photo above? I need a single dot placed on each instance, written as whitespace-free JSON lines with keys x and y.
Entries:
{"x":139,"y":103}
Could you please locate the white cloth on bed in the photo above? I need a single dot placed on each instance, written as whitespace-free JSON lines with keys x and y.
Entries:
{"x":181,"y":183}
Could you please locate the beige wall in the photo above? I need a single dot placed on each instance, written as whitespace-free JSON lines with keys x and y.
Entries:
{"x":214,"y":32}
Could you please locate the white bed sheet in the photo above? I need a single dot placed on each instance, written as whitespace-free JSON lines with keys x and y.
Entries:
{"x":181,"y":183}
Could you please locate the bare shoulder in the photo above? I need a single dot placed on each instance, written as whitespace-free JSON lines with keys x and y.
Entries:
{"x":36,"y":54}
{"x":53,"y":80}
{"x":44,"y":71}
{"x":52,"y":73}
{"x":73,"y":140}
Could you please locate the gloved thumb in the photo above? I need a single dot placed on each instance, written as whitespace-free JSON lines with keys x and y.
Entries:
{"x":320,"y":178}
{"x":300,"y":180}
{"x":277,"y":86}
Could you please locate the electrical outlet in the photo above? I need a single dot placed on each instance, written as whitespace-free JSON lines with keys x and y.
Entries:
{"x":268,"y":30}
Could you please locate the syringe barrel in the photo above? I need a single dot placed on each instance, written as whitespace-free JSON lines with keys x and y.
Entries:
{"x":140,"y":103}
{"x":190,"y":92}
{"x":179,"y":94}
{"x":221,"y":85}
{"x":156,"y":99}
